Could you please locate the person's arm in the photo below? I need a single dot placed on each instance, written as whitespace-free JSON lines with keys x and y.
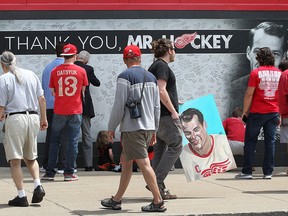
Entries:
{"x":92,"y":78}
{"x":153,"y":140}
{"x":83,"y":90}
{"x":2,"y":113}
{"x":248,"y":99}
{"x":53,"y":92}
{"x":111,"y":155}
{"x":118,"y":108}
{"x":43,"y":117}
{"x":165,"y":99}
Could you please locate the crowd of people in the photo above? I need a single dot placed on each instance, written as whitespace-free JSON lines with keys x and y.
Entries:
{"x":146,"y":111}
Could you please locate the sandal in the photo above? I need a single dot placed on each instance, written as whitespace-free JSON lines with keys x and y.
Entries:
{"x":152,"y":207}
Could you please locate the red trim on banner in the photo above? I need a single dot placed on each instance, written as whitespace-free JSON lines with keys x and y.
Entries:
{"x":68,"y":5}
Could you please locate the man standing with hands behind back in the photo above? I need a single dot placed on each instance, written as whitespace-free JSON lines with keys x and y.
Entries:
{"x":88,"y":110}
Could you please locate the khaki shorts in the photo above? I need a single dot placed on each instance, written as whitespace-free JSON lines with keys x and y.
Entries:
{"x":135,"y":144}
{"x":20,"y":139}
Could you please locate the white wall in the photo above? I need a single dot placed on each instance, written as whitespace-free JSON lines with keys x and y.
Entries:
{"x":197,"y":74}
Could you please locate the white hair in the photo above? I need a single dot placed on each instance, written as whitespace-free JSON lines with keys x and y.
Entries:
{"x":84,"y":56}
{"x":8,"y":59}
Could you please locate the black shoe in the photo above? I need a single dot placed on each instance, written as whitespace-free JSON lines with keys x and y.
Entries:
{"x":110,"y":203}
{"x":89,"y":169}
{"x":38,"y":194}
{"x":154,"y":207}
{"x":17,"y":201}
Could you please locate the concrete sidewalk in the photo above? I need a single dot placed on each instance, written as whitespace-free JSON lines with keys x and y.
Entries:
{"x":217,"y":195}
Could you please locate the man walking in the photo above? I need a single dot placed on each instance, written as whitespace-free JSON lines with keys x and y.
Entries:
{"x":136,"y":108}
{"x":21,"y":99}
{"x":169,"y":138}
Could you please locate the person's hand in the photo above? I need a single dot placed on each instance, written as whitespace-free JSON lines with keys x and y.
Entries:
{"x":2,"y":117}
{"x":175,"y":115}
{"x":279,"y":122}
{"x":112,"y":135}
{"x":43,"y":124}
{"x":244,"y":118}
{"x":153,"y":140}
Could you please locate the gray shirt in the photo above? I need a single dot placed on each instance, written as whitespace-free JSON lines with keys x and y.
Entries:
{"x":129,"y":86}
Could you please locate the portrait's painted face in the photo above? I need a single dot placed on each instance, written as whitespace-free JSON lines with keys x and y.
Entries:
{"x":262,"y":39}
{"x":195,"y":133}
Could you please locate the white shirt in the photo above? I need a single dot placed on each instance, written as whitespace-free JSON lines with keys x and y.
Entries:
{"x":17,"y":97}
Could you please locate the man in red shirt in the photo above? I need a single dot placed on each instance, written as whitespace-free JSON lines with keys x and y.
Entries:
{"x":67,"y":82}
{"x":261,"y":102}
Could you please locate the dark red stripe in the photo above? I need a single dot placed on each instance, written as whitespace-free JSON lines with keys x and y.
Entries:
{"x":215,"y":5}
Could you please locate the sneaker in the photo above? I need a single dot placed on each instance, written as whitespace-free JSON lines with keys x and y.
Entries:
{"x":152,"y":207}
{"x":47,"y":178}
{"x":38,"y":194}
{"x":165,"y":194}
{"x":267,"y":177}
{"x":70,"y":177}
{"x":17,"y":201}
{"x":243,"y":176}
{"x":75,"y":170}
{"x":60,"y":171}
{"x":42,"y":169}
{"x":110,"y":203}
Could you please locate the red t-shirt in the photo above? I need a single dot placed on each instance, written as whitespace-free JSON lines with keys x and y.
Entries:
{"x":67,"y":81}
{"x":283,"y":94}
{"x":234,"y":128}
{"x":265,"y":79}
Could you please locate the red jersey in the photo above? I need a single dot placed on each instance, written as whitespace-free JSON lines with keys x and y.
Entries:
{"x":283,"y":94}
{"x":67,"y":81}
{"x":234,"y":128}
{"x":265,"y":79}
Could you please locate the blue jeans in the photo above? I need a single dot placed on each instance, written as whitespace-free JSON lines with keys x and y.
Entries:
{"x":72,"y":124}
{"x":255,"y":122}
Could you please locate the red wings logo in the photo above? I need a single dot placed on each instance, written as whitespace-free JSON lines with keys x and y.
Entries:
{"x":216,"y":168}
{"x":182,"y":41}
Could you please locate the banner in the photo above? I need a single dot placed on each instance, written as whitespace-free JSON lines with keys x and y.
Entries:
{"x":213,"y":56}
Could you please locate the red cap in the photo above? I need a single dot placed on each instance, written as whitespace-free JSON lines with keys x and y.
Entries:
{"x":131,"y":51}
{"x":68,"y":50}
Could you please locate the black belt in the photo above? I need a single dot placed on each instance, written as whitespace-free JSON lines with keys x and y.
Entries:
{"x":24,"y":112}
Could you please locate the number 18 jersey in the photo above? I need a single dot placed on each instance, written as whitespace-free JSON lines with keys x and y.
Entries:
{"x":67,"y":81}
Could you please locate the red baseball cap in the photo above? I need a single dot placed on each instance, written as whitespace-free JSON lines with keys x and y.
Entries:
{"x":131,"y":51}
{"x":69,"y":50}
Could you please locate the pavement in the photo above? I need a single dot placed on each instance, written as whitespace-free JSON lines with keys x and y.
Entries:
{"x":219,"y":194}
